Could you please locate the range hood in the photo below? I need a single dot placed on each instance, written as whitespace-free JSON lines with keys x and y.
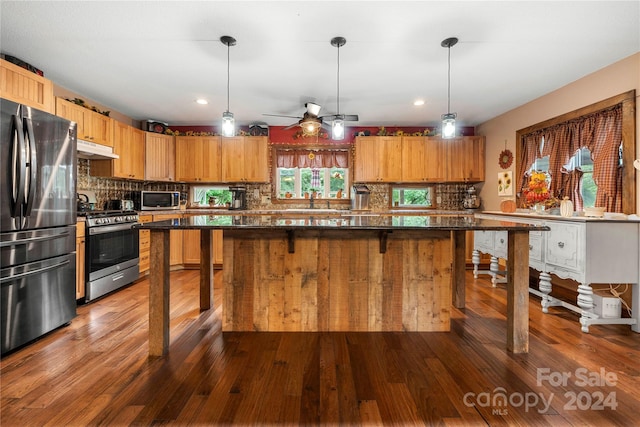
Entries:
{"x":93,"y":151}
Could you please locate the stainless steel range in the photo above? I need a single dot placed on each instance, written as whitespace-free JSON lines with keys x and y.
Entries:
{"x":112,"y":251}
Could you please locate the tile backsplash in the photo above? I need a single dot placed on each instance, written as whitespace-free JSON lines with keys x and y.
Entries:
{"x":109,"y":188}
{"x":451,"y":195}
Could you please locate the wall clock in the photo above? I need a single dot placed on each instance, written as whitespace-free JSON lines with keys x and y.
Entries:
{"x":506,"y":158}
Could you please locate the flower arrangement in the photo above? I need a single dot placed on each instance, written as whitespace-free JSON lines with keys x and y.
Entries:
{"x":537,"y":191}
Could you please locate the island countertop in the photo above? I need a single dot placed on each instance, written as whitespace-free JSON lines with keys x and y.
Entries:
{"x":347,"y":222}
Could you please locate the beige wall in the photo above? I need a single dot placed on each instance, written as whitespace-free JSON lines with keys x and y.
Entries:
{"x":613,"y":80}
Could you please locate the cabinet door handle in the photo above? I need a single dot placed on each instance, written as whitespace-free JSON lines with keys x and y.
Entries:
{"x":502,"y":241}
{"x":530,"y":247}
{"x":561,"y":244}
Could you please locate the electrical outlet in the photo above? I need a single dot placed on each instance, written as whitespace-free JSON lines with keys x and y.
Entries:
{"x":438,"y":200}
{"x":256,"y":193}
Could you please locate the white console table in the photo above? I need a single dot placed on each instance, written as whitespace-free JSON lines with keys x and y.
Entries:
{"x":587,"y":250}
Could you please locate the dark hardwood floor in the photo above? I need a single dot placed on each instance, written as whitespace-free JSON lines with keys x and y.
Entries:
{"x":96,"y":371}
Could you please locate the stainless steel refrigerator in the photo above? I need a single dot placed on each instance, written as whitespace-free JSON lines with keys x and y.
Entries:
{"x":37,"y":223}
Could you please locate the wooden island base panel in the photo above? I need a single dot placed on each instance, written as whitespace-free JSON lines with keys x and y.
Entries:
{"x":347,"y":273}
{"x":336,"y":280}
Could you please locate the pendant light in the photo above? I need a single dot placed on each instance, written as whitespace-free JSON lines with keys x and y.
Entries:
{"x":337,"y":126}
{"x":228,"y":122}
{"x":449,"y":119}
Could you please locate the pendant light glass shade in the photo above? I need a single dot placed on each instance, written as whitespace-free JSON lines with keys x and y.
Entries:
{"x":337,"y":129}
{"x":449,"y":125}
{"x":449,"y":119}
{"x":228,"y":122}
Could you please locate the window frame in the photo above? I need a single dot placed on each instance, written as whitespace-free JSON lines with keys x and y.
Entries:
{"x":431,"y":187}
{"x":346,"y":198}
{"x":628,"y":101}
{"x":194,"y":187}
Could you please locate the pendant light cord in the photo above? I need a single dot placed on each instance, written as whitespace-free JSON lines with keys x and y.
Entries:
{"x":449,"y":82}
{"x":338,"y":82}
{"x":228,"y":75}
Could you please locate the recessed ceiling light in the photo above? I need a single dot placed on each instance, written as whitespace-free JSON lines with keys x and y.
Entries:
{"x":202,"y":101}
{"x":418,"y":102}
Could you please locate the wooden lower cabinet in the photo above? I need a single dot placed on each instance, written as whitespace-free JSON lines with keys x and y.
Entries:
{"x":80,"y":269}
{"x":176,"y":245}
{"x":145,"y":242}
{"x":191,"y":248}
{"x":184,"y":245}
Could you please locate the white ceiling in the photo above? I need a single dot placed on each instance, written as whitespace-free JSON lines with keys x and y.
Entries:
{"x":151,"y":60}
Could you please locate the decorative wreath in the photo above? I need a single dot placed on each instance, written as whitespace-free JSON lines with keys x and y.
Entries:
{"x":505,"y":160}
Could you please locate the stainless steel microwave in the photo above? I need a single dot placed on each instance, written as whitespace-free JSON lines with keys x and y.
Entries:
{"x":158,"y":200}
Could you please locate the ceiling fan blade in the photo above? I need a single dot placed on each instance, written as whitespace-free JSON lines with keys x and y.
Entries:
{"x":345,"y":117}
{"x":281,"y":115}
{"x":292,"y":126}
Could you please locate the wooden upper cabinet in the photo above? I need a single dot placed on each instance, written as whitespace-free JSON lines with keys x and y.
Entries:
{"x":422,"y":159}
{"x":73,"y":112}
{"x":465,"y":159}
{"x":101,"y":128}
{"x":378,"y":159}
{"x":256,"y":160}
{"x":128,"y":143}
{"x":160,"y":157}
{"x":24,"y":87}
{"x":245,"y":159}
{"x":415,"y":159}
{"x":92,"y":126}
{"x":198,"y":159}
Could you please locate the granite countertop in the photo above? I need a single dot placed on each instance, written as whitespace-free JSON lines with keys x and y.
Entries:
{"x":303,"y":211}
{"x":355,"y":222}
{"x":577,"y":217}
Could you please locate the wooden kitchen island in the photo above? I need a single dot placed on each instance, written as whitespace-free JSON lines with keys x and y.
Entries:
{"x":337,"y":273}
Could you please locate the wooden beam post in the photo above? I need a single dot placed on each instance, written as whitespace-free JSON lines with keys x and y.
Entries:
{"x":458,"y":243}
{"x":159,"y":293}
{"x":518,"y":292}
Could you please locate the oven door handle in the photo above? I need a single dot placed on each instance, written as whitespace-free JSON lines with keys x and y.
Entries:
{"x":110,"y":228}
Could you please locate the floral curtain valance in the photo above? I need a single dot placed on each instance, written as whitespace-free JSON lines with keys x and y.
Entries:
{"x":312,"y":158}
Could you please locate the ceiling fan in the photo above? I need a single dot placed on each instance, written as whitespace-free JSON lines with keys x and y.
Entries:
{"x":311,"y":122}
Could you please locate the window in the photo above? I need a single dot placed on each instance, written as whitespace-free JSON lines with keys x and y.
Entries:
{"x":581,"y":160}
{"x":210,"y":195}
{"x":296,"y":183}
{"x":413,"y":197}
{"x":302,"y":171}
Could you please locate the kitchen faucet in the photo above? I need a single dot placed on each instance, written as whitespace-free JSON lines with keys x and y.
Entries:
{"x":311,"y":201}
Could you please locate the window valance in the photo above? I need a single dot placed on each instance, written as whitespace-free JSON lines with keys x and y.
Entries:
{"x":601,"y":133}
{"x":306,"y":158}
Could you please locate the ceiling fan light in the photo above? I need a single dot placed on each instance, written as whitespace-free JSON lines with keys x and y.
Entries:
{"x":228,"y":124}
{"x":310,"y":126}
{"x":448,"y":125}
{"x":337,"y":129}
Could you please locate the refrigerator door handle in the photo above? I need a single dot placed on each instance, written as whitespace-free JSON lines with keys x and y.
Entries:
{"x":18,"y":167}
{"x":13,"y":277}
{"x":32,"y":239}
{"x":32,"y":165}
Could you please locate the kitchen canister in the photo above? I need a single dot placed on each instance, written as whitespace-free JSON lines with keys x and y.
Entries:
{"x":566,"y":207}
